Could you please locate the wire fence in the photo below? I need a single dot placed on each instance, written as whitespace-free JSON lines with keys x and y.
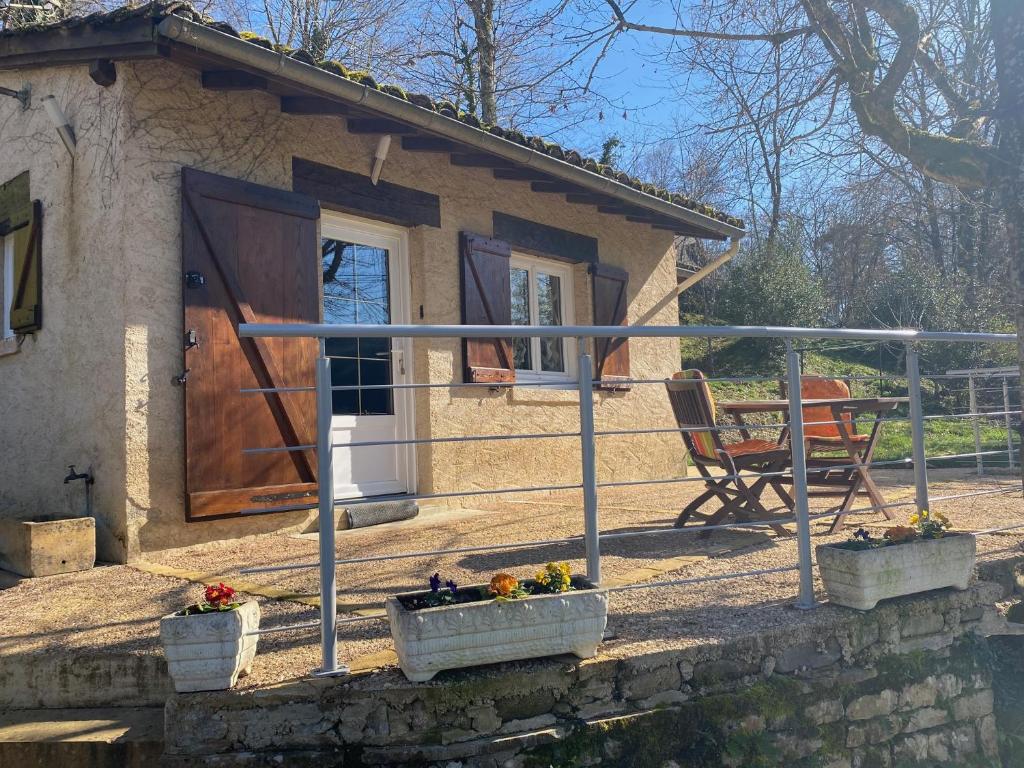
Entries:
{"x":791,"y":423}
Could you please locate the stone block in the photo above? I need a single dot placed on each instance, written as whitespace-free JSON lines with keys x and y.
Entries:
{"x":722,"y":671}
{"x":874,"y":731}
{"x":827,"y":711}
{"x":928,"y":717}
{"x":872,"y":705}
{"x":973,"y":706}
{"x":923,"y":624}
{"x":918,"y":695}
{"x":809,"y":655}
{"x":44,"y":546}
{"x":947,"y":685}
{"x":926,"y":643}
{"x":988,"y":737}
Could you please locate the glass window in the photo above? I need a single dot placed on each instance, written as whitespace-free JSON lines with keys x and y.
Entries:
{"x":356,"y":292}
{"x":541,"y":295}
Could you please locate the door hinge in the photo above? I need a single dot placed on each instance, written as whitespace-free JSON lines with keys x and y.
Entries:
{"x":191,"y":339}
{"x":194,"y":279}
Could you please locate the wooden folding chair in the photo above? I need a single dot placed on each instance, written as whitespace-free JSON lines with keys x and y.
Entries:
{"x":694,"y":409}
{"x":832,"y":460}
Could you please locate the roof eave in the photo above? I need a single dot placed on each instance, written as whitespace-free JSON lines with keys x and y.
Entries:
{"x":278,"y":65}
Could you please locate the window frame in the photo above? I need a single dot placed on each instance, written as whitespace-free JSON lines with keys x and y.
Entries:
{"x":564,"y":273}
{"x":7,"y":275}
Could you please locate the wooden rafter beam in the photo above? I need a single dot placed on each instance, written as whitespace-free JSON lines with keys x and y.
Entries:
{"x":378,"y":125}
{"x":558,"y":187}
{"x":479,"y":160}
{"x":520,"y":174}
{"x":427,"y":144}
{"x":233,"y":80}
{"x":312,"y":105}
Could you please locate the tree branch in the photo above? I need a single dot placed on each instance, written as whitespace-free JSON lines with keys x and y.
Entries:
{"x":775,"y":38}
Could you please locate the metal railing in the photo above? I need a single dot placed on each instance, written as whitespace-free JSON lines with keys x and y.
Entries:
{"x":589,"y":484}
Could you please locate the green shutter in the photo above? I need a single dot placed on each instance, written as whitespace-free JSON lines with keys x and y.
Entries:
{"x":21,"y":219}
{"x":27,"y":302}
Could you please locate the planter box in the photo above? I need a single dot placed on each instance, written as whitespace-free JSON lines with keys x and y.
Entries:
{"x":465,"y":635}
{"x":208,"y":651}
{"x":47,"y":545}
{"x":859,"y":579}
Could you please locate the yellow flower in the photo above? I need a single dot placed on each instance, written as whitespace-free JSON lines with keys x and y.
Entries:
{"x":914,"y":519}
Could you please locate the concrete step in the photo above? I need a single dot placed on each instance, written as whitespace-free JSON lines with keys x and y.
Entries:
{"x":118,"y":737}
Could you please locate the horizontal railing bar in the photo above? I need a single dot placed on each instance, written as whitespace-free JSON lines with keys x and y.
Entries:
{"x":701,"y":579}
{"x":989,"y":531}
{"x":286,"y":628}
{"x":331,"y":331}
{"x":463,"y":439}
{"x":988,"y":492}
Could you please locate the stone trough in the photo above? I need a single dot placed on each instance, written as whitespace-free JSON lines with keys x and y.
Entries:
{"x":47,"y":545}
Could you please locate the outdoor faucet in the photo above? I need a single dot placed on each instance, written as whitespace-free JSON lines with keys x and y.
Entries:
{"x":72,"y":475}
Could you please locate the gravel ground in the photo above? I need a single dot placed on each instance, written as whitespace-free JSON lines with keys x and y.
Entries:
{"x":119,"y":606}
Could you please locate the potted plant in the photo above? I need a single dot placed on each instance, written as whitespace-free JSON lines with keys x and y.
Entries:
{"x":451,"y":627}
{"x":209,"y":644}
{"x":924,"y":555}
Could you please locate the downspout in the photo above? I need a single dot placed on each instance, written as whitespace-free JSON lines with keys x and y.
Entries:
{"x":707,"y":269}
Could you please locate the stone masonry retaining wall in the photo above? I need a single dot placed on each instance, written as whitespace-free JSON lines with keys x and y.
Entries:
{"x":902,"y":685}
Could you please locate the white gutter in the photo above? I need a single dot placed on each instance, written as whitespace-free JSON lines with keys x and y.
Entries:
{"x":708,"y":268}
{"x":279,"y":65}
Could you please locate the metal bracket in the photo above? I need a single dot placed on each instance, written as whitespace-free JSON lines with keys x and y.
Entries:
{"x":191,"y":339}
{"x":181,"y":378}
{"x":194,"y":279}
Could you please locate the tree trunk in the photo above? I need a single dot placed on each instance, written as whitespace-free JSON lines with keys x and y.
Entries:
{"x":1008,"y":38}
{"x":486,"y":51}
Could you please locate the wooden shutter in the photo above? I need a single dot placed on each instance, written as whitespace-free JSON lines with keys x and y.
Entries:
{"x":611,"y":356}
{"x":250,"y":254}
{"x":486,"y":300}
{"x":21,"y":219}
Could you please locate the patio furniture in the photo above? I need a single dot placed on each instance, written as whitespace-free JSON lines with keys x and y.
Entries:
{"x":838,"y":457}
{"x":694,"y":409}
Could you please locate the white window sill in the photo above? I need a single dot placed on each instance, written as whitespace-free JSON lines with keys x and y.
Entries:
{"x":9,"y":346}
{"x":551,"y":382}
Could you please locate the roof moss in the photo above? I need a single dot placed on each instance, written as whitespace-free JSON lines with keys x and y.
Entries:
{"x":160,"y":10}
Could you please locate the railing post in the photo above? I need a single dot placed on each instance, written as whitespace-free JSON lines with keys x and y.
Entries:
{"x":1009,"y":424}
{"x":972,"y":394}
{"x":805,"y":598}
{"x":591,"y":524}
{"x":917,"y":428}
{"x":325,"y":477}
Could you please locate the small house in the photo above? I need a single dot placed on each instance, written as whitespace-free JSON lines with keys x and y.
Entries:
{"x":164,"y":179}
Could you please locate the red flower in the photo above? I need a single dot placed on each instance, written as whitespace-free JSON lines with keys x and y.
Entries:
{"x":220,"y":595}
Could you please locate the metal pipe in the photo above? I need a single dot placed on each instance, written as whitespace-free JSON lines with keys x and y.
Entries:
{"x":701,"y":579}
{"x":279,"y":65}
{"x":588,"y":459}
{"x":801,"y":509}
{"x":972,"y":397}
{"x":917,"y":428}
{"x":708,"y":268}
{"x":332,"y":331}
{"x":1009,"y":424}
{"x":325,"y":477}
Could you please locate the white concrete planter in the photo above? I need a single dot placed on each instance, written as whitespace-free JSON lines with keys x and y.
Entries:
{"x":465,"y":635}
{"x":859,"y":579}
{"x":208,"y":651}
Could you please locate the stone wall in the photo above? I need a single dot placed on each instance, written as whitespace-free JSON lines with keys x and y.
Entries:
{"x":906,"y":684}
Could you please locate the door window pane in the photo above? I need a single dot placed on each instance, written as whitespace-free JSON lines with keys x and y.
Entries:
{"x":356,"y":292}
{"x":521,"y":316}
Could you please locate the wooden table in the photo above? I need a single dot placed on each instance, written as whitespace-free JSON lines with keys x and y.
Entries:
{"x":849,"y":472}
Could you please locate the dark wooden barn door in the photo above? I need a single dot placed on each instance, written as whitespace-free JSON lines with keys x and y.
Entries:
{"x":250,"y":254}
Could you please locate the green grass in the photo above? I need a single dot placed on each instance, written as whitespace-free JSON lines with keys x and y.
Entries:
{"x":738,"y":358}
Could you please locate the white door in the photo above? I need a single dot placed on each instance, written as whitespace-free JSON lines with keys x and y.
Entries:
{"x":365,"y":281}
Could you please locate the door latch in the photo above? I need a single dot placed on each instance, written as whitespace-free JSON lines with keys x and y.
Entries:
{"x":191,"y":339}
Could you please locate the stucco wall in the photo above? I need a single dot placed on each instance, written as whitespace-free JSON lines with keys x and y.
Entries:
{"x":157,"y":119}
{"x":62,"y":395}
